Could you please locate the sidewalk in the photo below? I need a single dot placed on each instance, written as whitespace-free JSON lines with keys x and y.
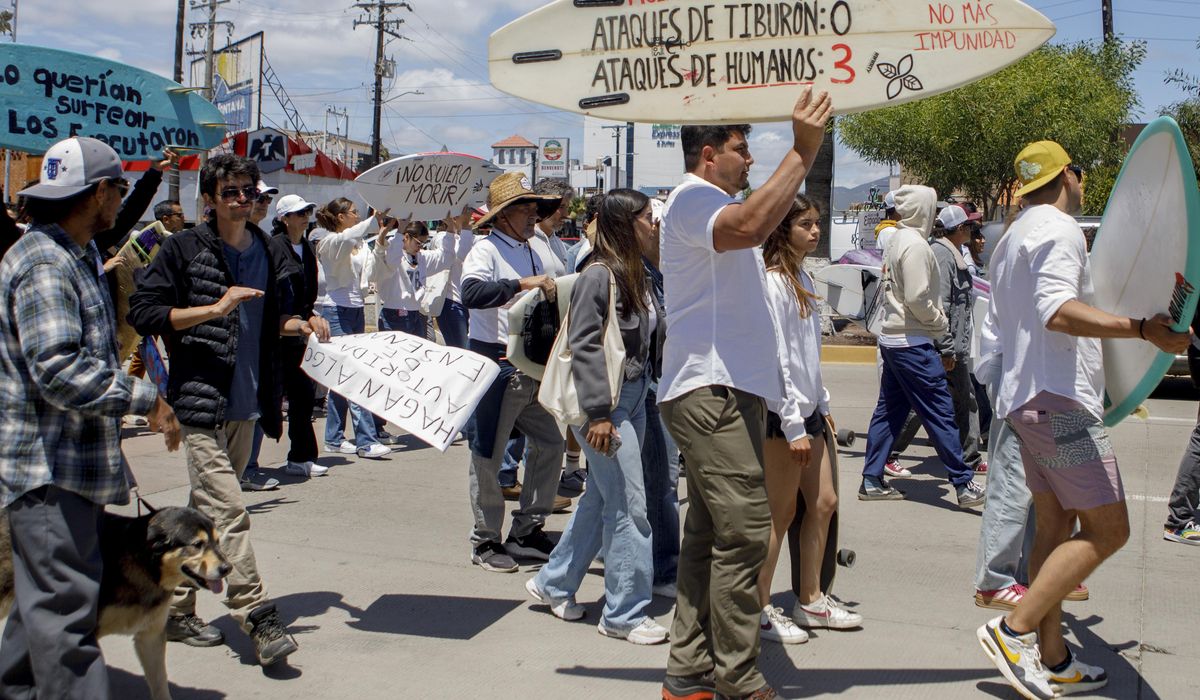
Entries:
{"x":370,"y":568}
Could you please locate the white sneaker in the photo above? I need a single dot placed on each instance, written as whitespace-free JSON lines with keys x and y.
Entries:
{"x":648,"y":631}
{"x":305,"y":469}
{"x":346,"y":448}
{"x":776,"y":627}
{"x":1018,"y":660}
{"x":375,"y":451}
{"x":666,"y":590}
{"x":564,"y":609}
{"x":1078,"y":677}
{"x":825,"y":612}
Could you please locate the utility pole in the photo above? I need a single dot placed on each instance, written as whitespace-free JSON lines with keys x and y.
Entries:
{"x":208,"y":28}
{"x":339,"y":115}
{"x":616,"y":129}
{"x":382,"y":26}
{"x":12,"y":22}
{"x":180,"y":24}
{"x":629,"y":133}
{"x":1106,"y":12}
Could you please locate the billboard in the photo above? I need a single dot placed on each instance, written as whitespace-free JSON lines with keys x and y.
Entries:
{"x":237,"y":82}
{"x":553,"y":156}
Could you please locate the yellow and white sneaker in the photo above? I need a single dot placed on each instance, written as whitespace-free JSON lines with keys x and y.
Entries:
{"x":1018,"y":660}
{"x":1078,"y":677}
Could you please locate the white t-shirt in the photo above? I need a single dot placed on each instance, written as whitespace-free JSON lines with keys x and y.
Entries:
{"x":494,"y":258}
{"x":555,"y":267}
{"x":1040,"y":264}
{"x":719,"y":329}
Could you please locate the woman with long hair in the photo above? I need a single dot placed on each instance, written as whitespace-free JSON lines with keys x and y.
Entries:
{"x":797,"y":449}
{"x":611,"y":515}
{"x":340,"y":249}
{"x":292,"y":215}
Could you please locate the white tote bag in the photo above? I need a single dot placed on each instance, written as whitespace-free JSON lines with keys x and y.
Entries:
{"x":557,"y":393}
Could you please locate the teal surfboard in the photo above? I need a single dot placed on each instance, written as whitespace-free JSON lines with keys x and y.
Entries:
{"x":1146,"y":259}
{"x":47,"y":95}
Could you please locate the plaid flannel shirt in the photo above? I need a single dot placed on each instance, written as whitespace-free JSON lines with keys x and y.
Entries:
{"x":62,"y":390}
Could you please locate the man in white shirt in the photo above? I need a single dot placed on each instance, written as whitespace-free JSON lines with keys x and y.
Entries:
{"x":499,"y":269}
{"x":713,"y":391}
{"x":547,"y":229}
{"x":1051,"y":393}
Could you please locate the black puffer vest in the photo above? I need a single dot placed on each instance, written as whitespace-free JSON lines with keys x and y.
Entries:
{"x":190,"y":271}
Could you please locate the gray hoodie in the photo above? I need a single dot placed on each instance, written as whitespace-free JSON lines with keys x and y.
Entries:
{"x":910,"y":281}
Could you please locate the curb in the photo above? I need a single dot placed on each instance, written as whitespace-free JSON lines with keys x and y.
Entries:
{"x":848,"y":354}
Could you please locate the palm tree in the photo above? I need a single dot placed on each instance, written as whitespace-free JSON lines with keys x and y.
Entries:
{"x":819,"y":186}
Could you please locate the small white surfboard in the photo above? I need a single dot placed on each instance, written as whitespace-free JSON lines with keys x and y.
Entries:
{"x":1146,"y":259}
{"x":692,"y":61}
{"x":428,"y":186}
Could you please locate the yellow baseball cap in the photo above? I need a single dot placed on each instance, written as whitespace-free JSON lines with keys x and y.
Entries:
{"x":1038,"y":164}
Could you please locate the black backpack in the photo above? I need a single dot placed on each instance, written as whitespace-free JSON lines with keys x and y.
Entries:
{"x":541,"y":327}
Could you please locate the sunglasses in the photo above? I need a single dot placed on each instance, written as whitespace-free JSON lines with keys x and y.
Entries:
{"x":1077,"y":170}
{"x":265,"y":198}
{"x":121,"y":184}
{"x":229,"y":194}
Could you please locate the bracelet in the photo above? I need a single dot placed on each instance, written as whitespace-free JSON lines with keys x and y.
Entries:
{"x":1141,"y":327}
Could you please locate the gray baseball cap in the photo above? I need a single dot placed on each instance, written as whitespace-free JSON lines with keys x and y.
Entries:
{"x":73,"y":165}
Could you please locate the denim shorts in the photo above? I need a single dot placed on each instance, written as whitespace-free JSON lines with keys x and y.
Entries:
{"x":814,"y":425}
{"x":1067,"y":452}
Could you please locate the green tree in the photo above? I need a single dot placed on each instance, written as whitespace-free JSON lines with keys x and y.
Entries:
{"x":1187,"y":111}
{"x":1079,"y":95}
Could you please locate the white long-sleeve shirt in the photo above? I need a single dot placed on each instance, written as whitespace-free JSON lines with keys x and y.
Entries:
{"x":799,"y":341}
{"x":335,"y":251}
{"x":454,"y":263}
{"x":398,"y":277}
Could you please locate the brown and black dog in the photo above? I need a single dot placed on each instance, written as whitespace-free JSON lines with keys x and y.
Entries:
{"x":145,"y":560}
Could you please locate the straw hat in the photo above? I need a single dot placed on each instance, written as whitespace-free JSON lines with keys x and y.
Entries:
{"x":513,"y":188}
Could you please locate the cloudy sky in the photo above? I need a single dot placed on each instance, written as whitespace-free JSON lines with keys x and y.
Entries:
{"x":322,"y":60}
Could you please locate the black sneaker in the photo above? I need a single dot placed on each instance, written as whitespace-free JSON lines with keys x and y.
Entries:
{"x":699,"y":687}
{"x":971,"y":494}
{"x":193,"y":631}
{"x":870,"y":491}
{"x":490,"y":556}
{"x":535,"y":545}
{"x":272,"y":643}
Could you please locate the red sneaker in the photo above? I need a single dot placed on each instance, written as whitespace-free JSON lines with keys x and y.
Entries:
{"x":893,"y":468}
{"x":981,"y":468}
{"x":1080,"y":593}
{"x":1001,"y":599}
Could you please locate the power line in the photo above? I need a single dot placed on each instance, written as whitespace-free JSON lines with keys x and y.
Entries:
{"x":383,"y":26}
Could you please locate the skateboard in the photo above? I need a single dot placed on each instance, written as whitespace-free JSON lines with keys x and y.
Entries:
{"x":833,"y":557}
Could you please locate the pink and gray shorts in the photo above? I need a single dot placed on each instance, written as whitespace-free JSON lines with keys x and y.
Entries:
{"x":1067,"y":452}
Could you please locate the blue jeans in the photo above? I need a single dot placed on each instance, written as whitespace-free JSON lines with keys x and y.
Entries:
{"x":412,"y":322}
{"x":1006,"y":533}
{"x":255,"y":447}
{"x":611,"y":514}
{"x":347,"y":320}
{"x":913,"y":378}
{"x":660,"y":470}
{"x":453,"y":324}
{"x":513,"y":454}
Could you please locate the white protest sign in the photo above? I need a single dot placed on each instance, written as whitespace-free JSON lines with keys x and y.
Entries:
{"x":427,"y":389}
{"x":428,"y":186}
